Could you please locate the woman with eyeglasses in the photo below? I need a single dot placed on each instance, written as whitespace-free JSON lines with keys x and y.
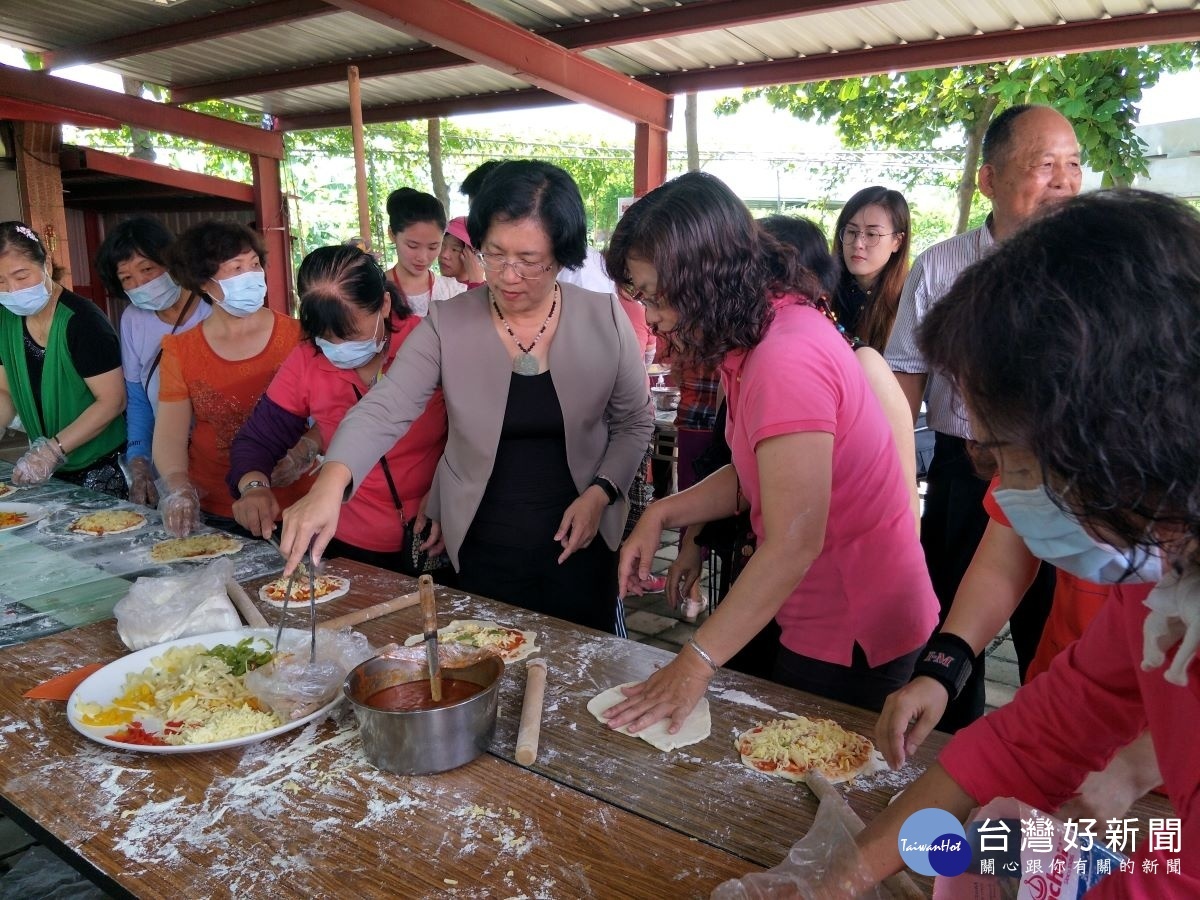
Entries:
{"x":838,"y":563}
{"x":870,"y":244}
{"x":549,"y":414}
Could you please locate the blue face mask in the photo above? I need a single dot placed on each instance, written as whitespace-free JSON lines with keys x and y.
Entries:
{"x":1060,"y":540}
{"x":26,"y":301}
{"x":352,"y":354}
{"x":156,"y":294}
{"x":244,"y":294}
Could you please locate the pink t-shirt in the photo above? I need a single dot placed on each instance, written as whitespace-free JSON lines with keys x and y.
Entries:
{"x":1093,"y":699}
{"x":309,"y":385}
{"x":869,"y":585}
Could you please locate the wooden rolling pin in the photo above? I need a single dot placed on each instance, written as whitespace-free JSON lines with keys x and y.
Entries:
{"x":245,"y":605}
{"x":404,"y":601}
{"x":899,"y":884}
{"x":531,"y":711}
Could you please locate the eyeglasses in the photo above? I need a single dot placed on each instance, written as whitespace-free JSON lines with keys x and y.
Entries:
{"x":496,"y":263}
{"x":643,"y":299}
{"x":870,"y":238}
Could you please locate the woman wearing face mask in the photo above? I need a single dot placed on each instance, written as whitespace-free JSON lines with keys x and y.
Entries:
{"x":60,"y":371}
{"x":1089,"y":413}
{"x":132,"y":264}
{"x":354,"y":321}
{"x":213,"y":375}
{"x":417,"y":222}
{"x":870,"y":244}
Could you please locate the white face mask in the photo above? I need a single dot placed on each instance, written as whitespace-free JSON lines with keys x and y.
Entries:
{"x":244,"y":293}
{"x":156,"y":294}
{"x":26,"y":301}
{"x":1059,"y":539}
{"x":352,"y":354}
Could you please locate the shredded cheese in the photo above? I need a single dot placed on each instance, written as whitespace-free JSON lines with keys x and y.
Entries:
{"x":798,"y":745}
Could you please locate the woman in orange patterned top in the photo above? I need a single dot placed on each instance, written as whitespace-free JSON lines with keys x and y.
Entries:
{"x":213,"y":375}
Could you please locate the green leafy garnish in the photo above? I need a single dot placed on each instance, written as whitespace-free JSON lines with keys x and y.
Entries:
{"x":242,"y":657}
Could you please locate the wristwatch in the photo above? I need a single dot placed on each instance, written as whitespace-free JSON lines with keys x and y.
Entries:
{"x":251,"y":485}
{"x":610,"y":489}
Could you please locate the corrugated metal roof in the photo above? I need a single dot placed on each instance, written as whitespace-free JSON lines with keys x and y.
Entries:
{"x":340,"y":36}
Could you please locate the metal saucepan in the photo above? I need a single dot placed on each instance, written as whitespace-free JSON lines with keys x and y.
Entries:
{"x":424,"y":741}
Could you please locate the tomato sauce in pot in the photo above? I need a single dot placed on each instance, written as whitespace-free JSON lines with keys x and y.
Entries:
{"x":415,"y":695}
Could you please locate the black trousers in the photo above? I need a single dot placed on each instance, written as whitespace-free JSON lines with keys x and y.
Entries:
{"x":582,"y":590}
{"x":951,"y":529}
{"x":857,"y":684}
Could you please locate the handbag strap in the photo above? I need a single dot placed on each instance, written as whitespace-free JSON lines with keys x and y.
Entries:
{"x":183,"y":314}
{"x":387,"y":470}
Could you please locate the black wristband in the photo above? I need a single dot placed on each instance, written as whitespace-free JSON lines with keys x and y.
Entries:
{"x":610,"y":489}
{"x":947,"y":659}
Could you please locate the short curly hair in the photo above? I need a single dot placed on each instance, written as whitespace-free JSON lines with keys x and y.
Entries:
{"x":139,"y":236}
{"x":1076,"y":339}
{"x":198,"y":253}
{"x":716,"y":267}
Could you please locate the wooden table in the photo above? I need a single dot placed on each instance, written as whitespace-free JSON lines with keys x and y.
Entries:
{"x":51,"y":579}
{"x":599,"y":813}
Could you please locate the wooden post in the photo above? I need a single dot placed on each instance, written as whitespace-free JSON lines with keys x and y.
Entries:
{"x":360,"y":155}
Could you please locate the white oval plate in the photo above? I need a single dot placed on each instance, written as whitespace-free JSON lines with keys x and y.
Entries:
{"x":105,"y":685}
{"x":32,"y":510}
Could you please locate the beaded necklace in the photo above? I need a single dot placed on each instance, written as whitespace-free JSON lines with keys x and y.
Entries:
{"x":524,"y":362}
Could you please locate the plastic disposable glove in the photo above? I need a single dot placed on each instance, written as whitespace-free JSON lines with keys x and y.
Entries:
{"x":141,"y":481}
{"x":39,"y":462}
{"x":295,"y":463}
{"x":1174,"y":619}
{"x":180,"y":507}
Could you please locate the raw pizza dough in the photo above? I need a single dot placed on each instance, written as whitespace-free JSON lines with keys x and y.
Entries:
{"x":696,"y":727}
{"x":790,"y":748}
{"x":329,"y":587}
{"x":480,"y":633}
{"x":108,"y":521}
{"x":195,"y":548}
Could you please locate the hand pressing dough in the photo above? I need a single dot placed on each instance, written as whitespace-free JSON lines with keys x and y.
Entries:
{"x":696,"y":727}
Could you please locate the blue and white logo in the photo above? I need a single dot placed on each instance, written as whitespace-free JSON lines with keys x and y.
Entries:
{"x":932,"y":842}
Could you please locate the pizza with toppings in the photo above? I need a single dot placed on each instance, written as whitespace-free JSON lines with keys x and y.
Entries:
{"x":327,"y":587}
{"x":512,"y":644}
{"x":6,"y":489}
{"x":195,"y":547}
{"x":109,"y":521}
{"x":13,"y":519}
{"x":790,"y":748}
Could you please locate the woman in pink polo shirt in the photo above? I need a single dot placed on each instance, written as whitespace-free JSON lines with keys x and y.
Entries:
{"x":838,"y":563}
{"x":354,"y":320}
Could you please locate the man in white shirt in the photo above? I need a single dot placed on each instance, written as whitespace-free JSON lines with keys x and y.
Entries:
{"x":1030,"y":161}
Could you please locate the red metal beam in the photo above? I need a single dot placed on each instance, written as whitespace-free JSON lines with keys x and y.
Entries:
{"x":529,"y":98}
{"x":1045,"y":40}
{"x":271,"y":220}
{"x":481,"y":37}
{"x":649,"y":159}
{"x":49,"y":90}
{"x":73,"y":159}
{"x":203,"y":28}
{"x":40,"y":112}
{"x":652,"y":25}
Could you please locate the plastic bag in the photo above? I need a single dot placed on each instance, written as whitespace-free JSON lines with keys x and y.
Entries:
{"x":292,"y":686}
{"x":823,"y":865}
{"x":175,"y":606}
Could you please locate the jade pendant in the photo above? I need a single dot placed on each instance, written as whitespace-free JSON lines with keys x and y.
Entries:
{"x":525,"y":364}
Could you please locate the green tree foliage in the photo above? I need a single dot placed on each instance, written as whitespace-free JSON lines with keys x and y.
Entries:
{"x":940,"y":108}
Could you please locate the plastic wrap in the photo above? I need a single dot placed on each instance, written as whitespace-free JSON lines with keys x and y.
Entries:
{"x":292,"y":686}
{"x":175,"y":606}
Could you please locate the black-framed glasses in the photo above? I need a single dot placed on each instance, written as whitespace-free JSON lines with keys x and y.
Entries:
{"x":642,"y":299}
{"x":870,"y":238}
{"x":496,"y":263}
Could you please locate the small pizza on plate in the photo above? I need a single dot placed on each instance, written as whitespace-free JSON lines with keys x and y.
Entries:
{"x":195,"y":547}
{"x":107,"y":521}
{"x":12,"y":519}
{"x":328,"y":587}
{"x":6,"y":488}
{"x":790,"y":748}
{"x":512,"y":644}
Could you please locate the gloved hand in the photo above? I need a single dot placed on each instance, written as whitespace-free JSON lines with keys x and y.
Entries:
{"x":39,"y":462}
{"x":141,"y":487}
{"x":295,"y":463}
{"x":179,"y":505}
{"x":1174,"y":619}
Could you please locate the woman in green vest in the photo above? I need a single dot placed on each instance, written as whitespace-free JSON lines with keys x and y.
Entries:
{"x":60,"y":371}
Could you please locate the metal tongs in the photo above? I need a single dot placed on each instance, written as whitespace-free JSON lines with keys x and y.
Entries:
{"x":429,"y":614}
{"x":313,"y":571}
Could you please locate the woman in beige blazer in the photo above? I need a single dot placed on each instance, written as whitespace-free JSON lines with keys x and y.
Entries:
{"x":548,"y":409}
